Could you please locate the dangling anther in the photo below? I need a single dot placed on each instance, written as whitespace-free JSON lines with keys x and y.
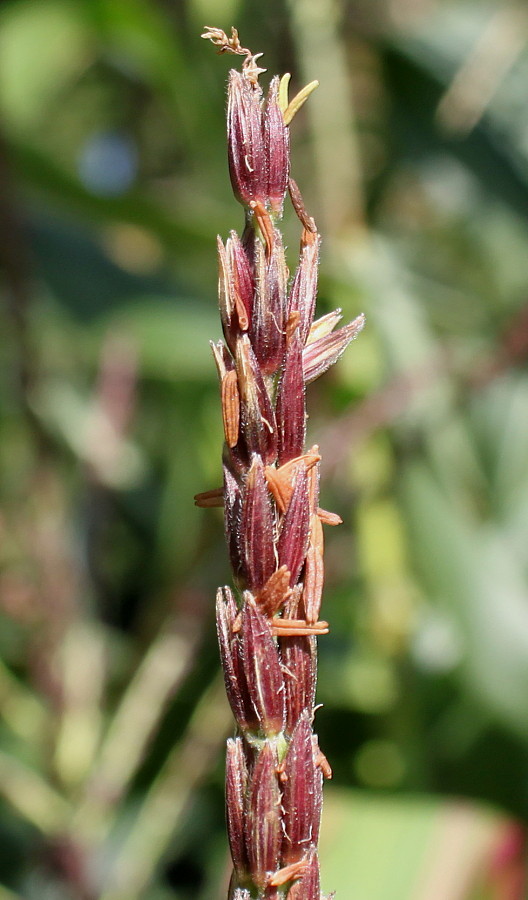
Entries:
{"x":275,"y":592}
{"x":230,"y":407}
{"x":288,"y":873}
{"x":281,"y":773}
{"x":297,"y":628}
{"x":265,"y":224}
{"x":298,"y":101}
{"x":210,"y":498}
{"x":322,"y":763}
{"x":280,"y":481}
{"x":298,"y":204}
{"x":328,"y":518}
{"x":241,"y":311}
{"x":291,"y":325}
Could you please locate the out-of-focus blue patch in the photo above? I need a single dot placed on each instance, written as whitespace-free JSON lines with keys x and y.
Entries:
{"x":108,"y":163}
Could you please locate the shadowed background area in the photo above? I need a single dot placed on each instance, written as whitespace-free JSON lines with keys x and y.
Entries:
{"x":413,"y":157}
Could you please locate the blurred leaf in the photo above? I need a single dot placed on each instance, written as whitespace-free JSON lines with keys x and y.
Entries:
{"x":80,"y":275}
{"x":471,"y":571}
{"x":39,"y":171}
{"x":136,"y":32}
{"x":402,"y":848}
{"x":42,"y":45}
{"x":488,"y":153}
{"x":172,"y":340}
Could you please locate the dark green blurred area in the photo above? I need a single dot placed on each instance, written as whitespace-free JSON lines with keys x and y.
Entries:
{"x":413,"y":157}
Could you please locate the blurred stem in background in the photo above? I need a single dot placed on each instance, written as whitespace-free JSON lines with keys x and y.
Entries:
{"x":317,"y":27}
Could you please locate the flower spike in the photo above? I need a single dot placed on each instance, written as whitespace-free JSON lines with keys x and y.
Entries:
{"x":268,"y":630}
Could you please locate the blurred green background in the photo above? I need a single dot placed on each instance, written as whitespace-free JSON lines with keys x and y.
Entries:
{"x":413,"y":158}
